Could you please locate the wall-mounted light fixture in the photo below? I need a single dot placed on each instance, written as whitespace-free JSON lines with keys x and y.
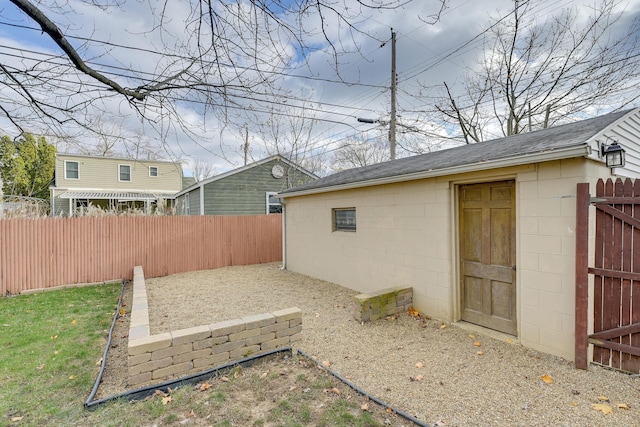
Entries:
{"x":613,"y":154}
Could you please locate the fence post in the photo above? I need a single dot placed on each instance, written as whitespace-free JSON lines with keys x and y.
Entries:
{"x":582,"y":276}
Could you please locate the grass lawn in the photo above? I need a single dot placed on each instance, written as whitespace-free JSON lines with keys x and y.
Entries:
{"x":51,"y":345}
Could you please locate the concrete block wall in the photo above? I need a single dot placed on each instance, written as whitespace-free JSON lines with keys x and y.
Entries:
{"x":154,"y":357}
{"x":382,"y":303}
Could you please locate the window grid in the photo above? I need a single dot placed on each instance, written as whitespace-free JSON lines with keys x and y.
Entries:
{"x":273,"y":204}
{"x":344,"y":219}
{"x":124,"y":172}
{"x":71,"y":170}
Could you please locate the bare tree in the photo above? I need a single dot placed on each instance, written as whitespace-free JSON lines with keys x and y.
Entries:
{"x":214,"y":57}
{"x":360,"y":151}
{"x":534,"y":74}
{"x":203,"y":170}
{"x":291,"y":135}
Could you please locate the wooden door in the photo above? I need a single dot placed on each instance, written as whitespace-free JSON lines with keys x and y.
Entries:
{"x":487,"y":255}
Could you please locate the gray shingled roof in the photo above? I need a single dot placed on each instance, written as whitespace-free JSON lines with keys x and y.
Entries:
{"x":516,"y":146}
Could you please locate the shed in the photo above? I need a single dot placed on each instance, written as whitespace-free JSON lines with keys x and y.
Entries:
{"x":483,"y":233}
{"x":248,"y":190}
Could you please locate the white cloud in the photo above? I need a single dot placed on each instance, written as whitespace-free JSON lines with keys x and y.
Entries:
{"x":427,"y":56}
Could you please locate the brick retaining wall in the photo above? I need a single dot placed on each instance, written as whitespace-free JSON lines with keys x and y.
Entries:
{"x":380,"y":304}
{"x":154,"y":357}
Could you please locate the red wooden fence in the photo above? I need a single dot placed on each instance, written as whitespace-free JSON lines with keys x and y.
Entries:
{"x":47,"y":252}
{"x":616,"y":271}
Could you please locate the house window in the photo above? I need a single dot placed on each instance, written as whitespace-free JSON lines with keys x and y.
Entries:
{"x":71,"y":170}
{"x":344,"y":219}
{"x":273,"y":204}
{"x":124,"y":172}
{"x":187,"y":206}
{"x":153,"y":171}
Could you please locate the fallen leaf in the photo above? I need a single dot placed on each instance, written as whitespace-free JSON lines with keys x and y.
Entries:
{"x":548,"y":379}
{"x":622,"y":406}
{"x":477,"y":343}
{"x":166,"y":399}
{"x":472,"y":336}
{"x":53,"y":337}
{"x":14,"y":419}
{"x":480,"y":353}
{"x":416,"y":314}
{"x":99,"y":362}
{"x":237,"y":373}
{"x":74,"y":322}
{"x":602,"y":407}
{"x":72,"y":377}
{"x":191,"y":414}
{"x":336,"y":391}
{"x":326,"y":363}
{"x":205,"y":386}
{"x":508,"y":341}
{"x":224,"y":379}
{"x":123,"y":312}
{"x":264,"y":375}
{"x":40,"y":367}
{"x":419,"y":377}
{"x":293,"y":387}
{"x":603,"y":398}
{"x":443,"y":326}
{"x":364,"y":407}
{"x":419,"y":365}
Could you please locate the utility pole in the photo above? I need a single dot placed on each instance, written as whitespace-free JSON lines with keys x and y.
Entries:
{"x":394,"y":83}
{"x":246,"y":145}
{"x":392,"y":122}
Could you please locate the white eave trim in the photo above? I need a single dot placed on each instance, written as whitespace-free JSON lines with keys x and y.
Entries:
{"x":546,"y":156}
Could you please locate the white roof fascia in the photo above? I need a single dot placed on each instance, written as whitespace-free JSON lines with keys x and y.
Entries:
{"x":571,"y":152}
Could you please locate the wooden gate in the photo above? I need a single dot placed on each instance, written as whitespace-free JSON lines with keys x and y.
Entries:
{"x":616,"y":272}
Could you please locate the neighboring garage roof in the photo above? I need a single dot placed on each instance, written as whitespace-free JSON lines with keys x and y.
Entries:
{"x":114,"y":195}
{"x":559,"y":142}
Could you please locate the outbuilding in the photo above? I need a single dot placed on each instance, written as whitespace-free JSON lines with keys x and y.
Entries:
{"x":483,"y":233}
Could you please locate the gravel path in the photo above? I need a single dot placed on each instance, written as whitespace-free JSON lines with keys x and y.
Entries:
{"x":439,"y":373}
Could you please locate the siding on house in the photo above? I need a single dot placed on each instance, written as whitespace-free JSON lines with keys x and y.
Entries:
{"x":625,"y":132}
{"x":406,"y":235}
{"x":101,"y":175}
{"x":242,"y":191}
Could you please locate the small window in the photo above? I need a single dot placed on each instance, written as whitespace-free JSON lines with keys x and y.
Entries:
{"x":124,"y":172}
{"x":187,"y":206}
{"x":273,"y":204}
{"x":71,"y":170}
{"x":344,"y":219}
{"x":153,"y":171}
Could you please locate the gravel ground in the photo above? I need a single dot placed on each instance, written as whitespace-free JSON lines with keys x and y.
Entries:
{"x":439,"y":373}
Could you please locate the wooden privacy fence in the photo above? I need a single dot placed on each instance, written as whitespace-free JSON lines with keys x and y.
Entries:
{"x":47,"y":252}
{"x":616,"y":272}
